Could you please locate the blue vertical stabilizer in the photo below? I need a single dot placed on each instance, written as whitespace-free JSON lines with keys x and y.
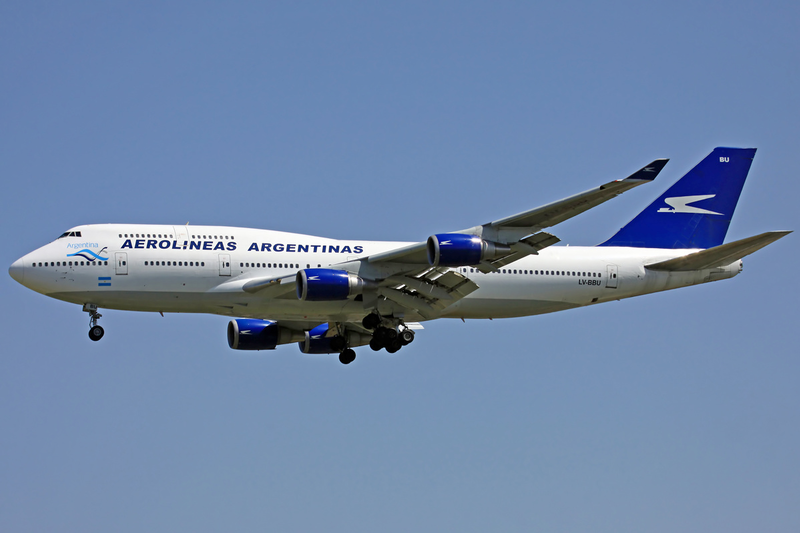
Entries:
{"x":697,"y":210}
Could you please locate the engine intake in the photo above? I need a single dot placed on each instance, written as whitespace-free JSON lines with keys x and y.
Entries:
{"x":458,"y":249}
{"x":325,"y":284}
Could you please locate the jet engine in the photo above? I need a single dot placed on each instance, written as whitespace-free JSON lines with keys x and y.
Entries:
{"x":458,"y":249}
{"x":255,"y":334}
{"x":325,"y":284}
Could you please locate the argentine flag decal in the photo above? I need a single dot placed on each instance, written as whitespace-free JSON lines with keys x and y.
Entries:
{"x":104,"y":282}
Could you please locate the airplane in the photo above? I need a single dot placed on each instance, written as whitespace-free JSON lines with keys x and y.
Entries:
{"x":331,"y":296}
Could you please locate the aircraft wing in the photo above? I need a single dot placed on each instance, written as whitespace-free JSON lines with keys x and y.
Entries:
{"x":405,"y":275}
{"x":522,"y":232}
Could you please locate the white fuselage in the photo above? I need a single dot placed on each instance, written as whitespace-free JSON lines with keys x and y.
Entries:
{"x":202,"y":269}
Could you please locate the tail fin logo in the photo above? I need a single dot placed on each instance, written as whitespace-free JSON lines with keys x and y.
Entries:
{"x":680,"y":204}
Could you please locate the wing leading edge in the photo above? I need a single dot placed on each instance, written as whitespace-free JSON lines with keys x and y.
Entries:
{"x":516,"y":229}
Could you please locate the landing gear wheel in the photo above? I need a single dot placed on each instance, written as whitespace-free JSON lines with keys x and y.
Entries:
{"x":394,"y":346}
{"x":371,"y":321}
{"x":376,"y":344}
{"x":406,"y":337}
{"x":96,"y":333}
{"x":347,"y":356}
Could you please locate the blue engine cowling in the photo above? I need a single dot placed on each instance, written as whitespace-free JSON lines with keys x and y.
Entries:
{"x":254,"y":334}
{"x":326,"y":284}
{"x":316,"y":341}
{"x":458,"y":249}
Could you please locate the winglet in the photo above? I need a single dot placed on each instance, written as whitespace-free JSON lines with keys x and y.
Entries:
{"x":648,"y":172}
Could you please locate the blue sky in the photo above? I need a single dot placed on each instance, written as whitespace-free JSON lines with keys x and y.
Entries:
{"x":675,"y":411}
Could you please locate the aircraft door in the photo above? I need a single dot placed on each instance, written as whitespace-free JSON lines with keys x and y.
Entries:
{"x":181,"y":235}
{"x":224,"y":264}
{"x":121,"y":263}
{"x":611,"y":282}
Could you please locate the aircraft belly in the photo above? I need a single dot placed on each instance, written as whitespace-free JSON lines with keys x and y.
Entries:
{"x":504,"y":308}
{"x":240,"y":305}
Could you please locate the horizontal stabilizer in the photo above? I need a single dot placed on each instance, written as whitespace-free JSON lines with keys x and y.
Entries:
{"x":719,"y":256}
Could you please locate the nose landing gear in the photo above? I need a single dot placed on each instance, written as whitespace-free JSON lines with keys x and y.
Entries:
{"x":95,"y":332}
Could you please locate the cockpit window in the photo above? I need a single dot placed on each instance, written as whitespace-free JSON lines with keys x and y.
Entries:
{"x":70,"y":234}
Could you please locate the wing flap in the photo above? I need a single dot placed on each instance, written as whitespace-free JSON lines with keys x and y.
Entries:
{"x":430,"y":292}
{"x":718,"y":256}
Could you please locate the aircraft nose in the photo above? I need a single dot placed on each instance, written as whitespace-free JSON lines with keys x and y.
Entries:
{"x":17,"y":271}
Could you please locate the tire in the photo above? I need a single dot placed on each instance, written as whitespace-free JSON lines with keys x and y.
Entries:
{"x":371,"y":321}
{"x":347,"y":356}
{"x":376,"y":344}
{"x":96,"y":333}
{"x":406,"y":337}
{"x":394,"y":347}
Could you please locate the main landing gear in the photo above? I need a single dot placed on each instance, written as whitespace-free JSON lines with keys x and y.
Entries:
{"x":95,"y":332}
{"x":346,"y":355}
{"x":388,"y":338}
